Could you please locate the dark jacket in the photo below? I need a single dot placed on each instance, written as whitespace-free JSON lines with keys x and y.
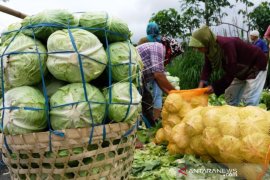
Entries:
{"x":241,"y":60}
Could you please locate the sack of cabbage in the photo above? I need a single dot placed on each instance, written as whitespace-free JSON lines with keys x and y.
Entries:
{"x":235,"y":136}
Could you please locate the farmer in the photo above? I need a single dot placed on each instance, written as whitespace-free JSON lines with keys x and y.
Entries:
{"x":152,"y":55}
{"x":255,"y":39}
{"x":152,"y":32}
{"x":172,"y":49}
{"x":243,"y":64}
{"x":153,"y":35}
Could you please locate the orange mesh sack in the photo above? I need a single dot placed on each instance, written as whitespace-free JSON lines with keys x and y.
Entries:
{"x":196,"y":97}
{"x":178,"y":103}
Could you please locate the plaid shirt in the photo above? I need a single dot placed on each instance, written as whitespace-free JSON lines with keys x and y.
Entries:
{"x":152,"y":55}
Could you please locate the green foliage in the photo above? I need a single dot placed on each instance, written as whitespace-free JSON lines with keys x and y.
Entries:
{"x":169,"y":21}
{"x":146,"y":135}
{"x":260,"y":17}
{"x":209,"y":11}
{"x":188,"y":68}
{"x":193,"y":13}
{"x":155,"y":163}
{"x":265,"y":98}
{"x":216,"y":101}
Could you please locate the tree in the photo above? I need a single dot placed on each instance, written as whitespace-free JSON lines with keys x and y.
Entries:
{"x":169,"y":22}
{"x":260,"y":17}
{"x":207,"y":11}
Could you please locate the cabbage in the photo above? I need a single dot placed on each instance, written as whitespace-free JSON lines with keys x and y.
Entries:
{"x":194,"y":125}
{"x":172,"y":120}
{"x":173,"y":80}
{"x":173,"y":149}
{"x":196,"y":145}
{"x":52,"y":85}
{"x":21,"y":121}
{"x":10,"y":31}
{"x":160,"y":136}
{"x":174,"y":102}
{"x":119,"y":108}
{"x":118,"y":30}
{"x":229,"y":125}
{"x":229,"y":149}
{"x":179,"y":136}
{"x":54,"y":17}
{"x":65,"y":66}
{"x":123,"y":55}
{"x":211,"y":135}
{"x":23,"y":68}
{"x":186,"y":107}
{"x":76,"y":115}
{"x":255,"y":147}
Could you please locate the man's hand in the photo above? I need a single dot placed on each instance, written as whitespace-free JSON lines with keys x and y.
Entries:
{"x":201,"y":84}
{"x":210,"y":90}
{"x":163,"y":82}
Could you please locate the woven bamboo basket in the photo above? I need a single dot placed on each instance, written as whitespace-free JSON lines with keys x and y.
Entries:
{"x":72,"y":157}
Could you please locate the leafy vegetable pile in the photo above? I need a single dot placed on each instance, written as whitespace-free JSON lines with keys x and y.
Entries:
{"x":65,"y":54}
{"x":154,"y":162}
{"x":99,"y":20}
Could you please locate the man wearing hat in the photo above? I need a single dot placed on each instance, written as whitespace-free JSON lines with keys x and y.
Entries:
{"x":255,"y":38}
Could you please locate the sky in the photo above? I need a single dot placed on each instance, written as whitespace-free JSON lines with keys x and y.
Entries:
{"x":136,"y":13}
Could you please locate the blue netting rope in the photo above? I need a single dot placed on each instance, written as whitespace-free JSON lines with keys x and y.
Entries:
{"x":47,"y":105}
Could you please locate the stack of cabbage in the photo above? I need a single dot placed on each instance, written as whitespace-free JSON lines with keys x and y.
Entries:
{"x":74,"y":57}
{"x":175,"y":81}
{"x":227,"y":134}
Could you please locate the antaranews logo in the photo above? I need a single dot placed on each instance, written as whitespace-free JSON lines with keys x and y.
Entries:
{"x":183,"y":170}
{"x":222,"y":171}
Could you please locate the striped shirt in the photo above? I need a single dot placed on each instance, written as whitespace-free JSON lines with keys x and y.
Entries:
{"x":152,"y":55}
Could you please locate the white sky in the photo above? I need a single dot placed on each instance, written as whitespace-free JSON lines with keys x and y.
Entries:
{"x":136,"y":13}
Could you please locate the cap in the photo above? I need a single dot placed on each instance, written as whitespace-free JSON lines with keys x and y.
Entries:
{"x":254,"y":33}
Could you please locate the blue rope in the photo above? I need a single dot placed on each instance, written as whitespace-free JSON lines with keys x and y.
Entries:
{"x":3,"y":91}
{"x":83,"y":81}
{"x":47,"y":103}
{"x":128,"y":132}
{"x":130,"y":83}
{"x":145,"y":120}
{"x":32,"y":27}
{"x":109,"y":73}
{"x":6,"y":144}
{"x":2,"y":164}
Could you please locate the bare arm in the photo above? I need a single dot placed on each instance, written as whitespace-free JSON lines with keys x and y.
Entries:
{"x":163,"y":82}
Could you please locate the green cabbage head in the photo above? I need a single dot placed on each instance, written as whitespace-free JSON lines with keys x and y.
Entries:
{"x":118,"y":107}
{"x":76,"y":115}
{"x":124,"y":55}
{"x":10,"y":31}
{"x":23,"y":69}
{"x":65,"y":66}
{"x":21,"y":121}
{"x":117,"y":29}
{"x":54,"y":17}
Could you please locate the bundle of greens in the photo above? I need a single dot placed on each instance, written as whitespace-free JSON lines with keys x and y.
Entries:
{"x":154,"y":162}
